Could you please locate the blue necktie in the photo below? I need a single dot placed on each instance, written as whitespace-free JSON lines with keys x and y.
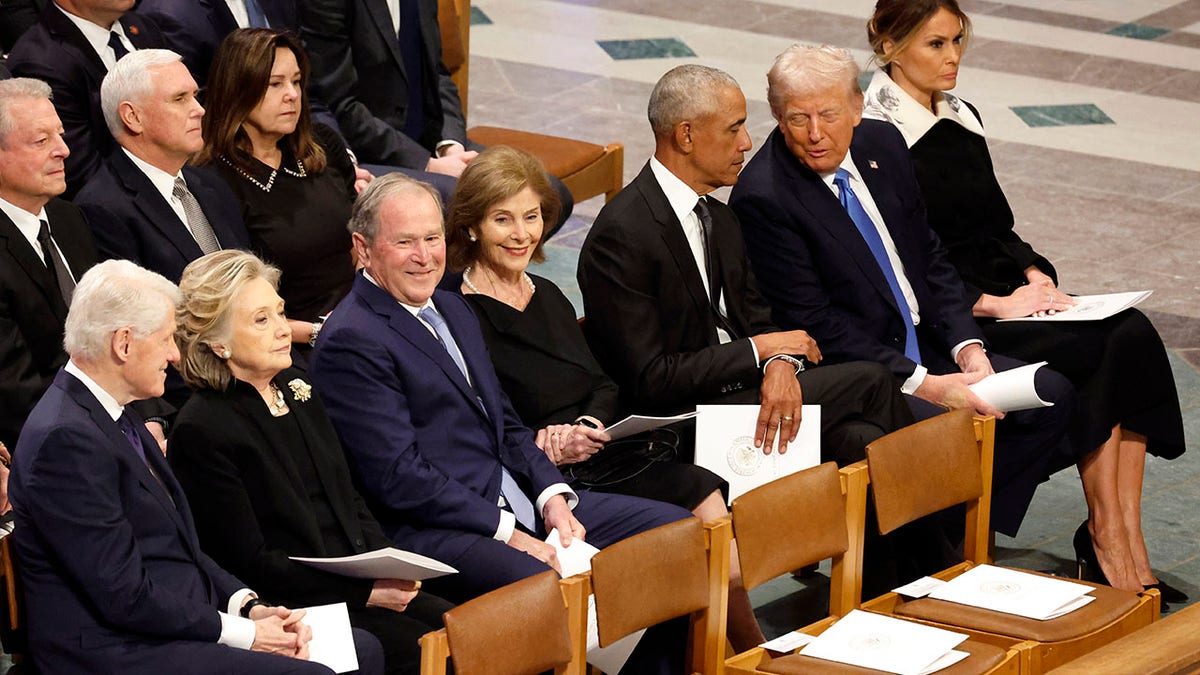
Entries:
{"x":255,"y":15}
{"x":115,"y":44}
{"x":866,"y":227}
{"x":521,"y":507}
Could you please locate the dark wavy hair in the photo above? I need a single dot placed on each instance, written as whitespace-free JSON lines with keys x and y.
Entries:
{"x":237,"y":83}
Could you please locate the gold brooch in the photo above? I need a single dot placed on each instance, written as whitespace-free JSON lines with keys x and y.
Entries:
{"x":301,"y":390}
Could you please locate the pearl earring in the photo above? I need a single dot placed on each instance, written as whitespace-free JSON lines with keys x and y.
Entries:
{"x":471,"y":236}
{"x":225,"y":354}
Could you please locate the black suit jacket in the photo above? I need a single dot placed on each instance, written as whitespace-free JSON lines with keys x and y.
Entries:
{"x":55,"y":50}
{"x":32,"y":312}
{"x":109,"y":555}
{"x":648,"y":317}
{"x":131,"y":220}
{"x":359,"y":73}
{"x":817,"y":271}
{"x":195,"y":28}
{"x":251,"y":506}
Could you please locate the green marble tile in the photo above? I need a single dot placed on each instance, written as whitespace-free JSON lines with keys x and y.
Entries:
{"x":1061,"y":115}
{"x":478,"y":18}
{"x":1137,"y":31}
{"x":657,"y":48}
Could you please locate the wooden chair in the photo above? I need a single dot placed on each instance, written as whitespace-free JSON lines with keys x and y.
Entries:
{"x":1166,"y":647}
{"x":585,"y":168}
{"x":946,"y":461}
{"x":680,"y":569}
{"x":484,"y":637}
{"x":807,"y":517}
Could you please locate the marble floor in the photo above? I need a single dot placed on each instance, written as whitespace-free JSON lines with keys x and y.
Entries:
{"x":1091,"y":108}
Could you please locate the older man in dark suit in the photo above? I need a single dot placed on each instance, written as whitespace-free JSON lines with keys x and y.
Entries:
{"x":674,"y":314}
{"x":145,"y":204}
{"x":115,"y":580}
{"x":835,"y":227}
{"x":434,"y":441}
{"x":72,"y":46}
{"x":45,"y":246}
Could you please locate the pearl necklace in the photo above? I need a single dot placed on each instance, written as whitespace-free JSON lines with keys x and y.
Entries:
{"x":298,"y":173}
{"x":475,"y":289}
{"x":277,"y":405}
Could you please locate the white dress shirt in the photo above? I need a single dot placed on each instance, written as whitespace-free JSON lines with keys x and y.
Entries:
{"x":97,"y":37}
{"x":238,"y":9}
{"x":165,"y":184}
{"x":868,"y":203}
{"x":29,"y":225}
{"x":236,"y":631}
{"x":508,"y":522}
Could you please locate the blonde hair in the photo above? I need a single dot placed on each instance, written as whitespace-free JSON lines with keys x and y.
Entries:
{"x":210,"y":285}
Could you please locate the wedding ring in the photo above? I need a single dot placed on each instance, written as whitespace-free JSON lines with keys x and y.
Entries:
{"x":786,"y":418}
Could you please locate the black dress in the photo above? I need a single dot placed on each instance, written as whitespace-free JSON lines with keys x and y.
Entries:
{"x":262,"y":488}
{"x":1119,"y":365}
{"x":551,"y":377}
{"x":300,"y":224}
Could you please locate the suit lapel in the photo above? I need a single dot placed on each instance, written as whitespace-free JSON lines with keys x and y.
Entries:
{"x":152,"y":205}
{"x":135,"y":30}
{"x":61,"y":27}
{"x":70,"y":231}
{"x":887,"y":201}
{"x":27,"y":258}
{"x":382,"y":19}
{"x":815,"y":198}
{"x":676,"y":242}
{"x":219,"y":16}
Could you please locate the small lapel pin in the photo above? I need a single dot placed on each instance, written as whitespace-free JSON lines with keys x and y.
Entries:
{"x":134,"y":30}
{"x":873,"y":164}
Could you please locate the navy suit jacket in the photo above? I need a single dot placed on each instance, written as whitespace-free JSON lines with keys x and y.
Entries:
{"x":359,"y":73}
{"x":32,"y":312}
{"x":194,"y":28}
{"x":55,"y":51}
{"x":109,"y":555}
{"x":131,"y":220}
{"x":817,"y":272}
{"x":425,"y":445}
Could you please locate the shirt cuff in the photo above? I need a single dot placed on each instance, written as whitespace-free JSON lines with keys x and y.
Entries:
{"x":437,"y":150}
{"x":963,"y":345}
{"x":915,"y":380}
{"x":508,"y":523}
{"x":238,"y":599}
{"x":556,"y":489}
{"x":753,"y":350}
{"x":236,"y":632}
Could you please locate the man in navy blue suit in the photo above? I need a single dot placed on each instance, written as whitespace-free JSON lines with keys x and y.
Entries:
{"x":145,"y":204}
{"x":445,"y":463}
{"x":114,"y":577}
{"x":71,"y":47}
{"x":835,"y":228}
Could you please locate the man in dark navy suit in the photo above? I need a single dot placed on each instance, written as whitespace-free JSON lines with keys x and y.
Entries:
{"x":145,"y":204}
{"x":115,"y":580}
{"x":835,"y":228}
{"x":72,"y":47}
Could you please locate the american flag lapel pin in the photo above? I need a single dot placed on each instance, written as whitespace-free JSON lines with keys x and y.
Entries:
{"x":873,"y":164}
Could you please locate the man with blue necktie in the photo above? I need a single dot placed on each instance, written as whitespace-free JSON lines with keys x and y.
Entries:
{"x":835,"y":228}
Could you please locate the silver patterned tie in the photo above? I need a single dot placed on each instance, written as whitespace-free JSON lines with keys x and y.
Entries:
{"x":202,"y":231}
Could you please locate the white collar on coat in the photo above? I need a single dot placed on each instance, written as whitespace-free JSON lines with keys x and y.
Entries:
{"x":885,"y":100}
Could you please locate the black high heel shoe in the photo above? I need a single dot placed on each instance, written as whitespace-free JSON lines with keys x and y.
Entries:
{"x":1088,"y":569}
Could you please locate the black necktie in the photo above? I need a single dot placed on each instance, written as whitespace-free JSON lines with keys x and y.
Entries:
{"x":412,"y":50}
{"x":712,"y":263}
{"x":55,"y":264}
{"x":115,"y":44}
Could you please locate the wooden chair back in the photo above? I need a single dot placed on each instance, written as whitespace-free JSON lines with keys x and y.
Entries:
{"x":680,"y":569}
{"x":482,"y":637}
{"x":951,"y":454}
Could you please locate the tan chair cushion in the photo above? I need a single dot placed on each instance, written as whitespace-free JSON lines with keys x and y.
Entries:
{"x":562,"y":156}
{"x":649,"y":578}
{"x":945,"y":451}
{"x":1109,"y":605}
{"x":485,"y":640}
{"x":983,"y":657}
{"x":810,"y":511}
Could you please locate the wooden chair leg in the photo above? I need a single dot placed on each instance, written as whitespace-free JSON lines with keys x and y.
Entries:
{"x":10,"y":580}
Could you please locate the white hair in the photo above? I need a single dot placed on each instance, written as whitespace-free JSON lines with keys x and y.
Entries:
{"x":685,"y":93}
{"x":113,"y":295}
{"x":130,"y":80}
{"x":10,"y":92}
{"x":802,"y":70}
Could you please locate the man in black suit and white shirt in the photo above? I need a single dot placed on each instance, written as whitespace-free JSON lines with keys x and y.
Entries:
{"x":44,"y":247}
{"x":674,"y":313}
{"x":144,"y":204}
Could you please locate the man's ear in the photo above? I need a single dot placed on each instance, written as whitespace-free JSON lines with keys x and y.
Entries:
{"x":362,"y":254}
{"x":121,"y":342}
{"x":130,"y":118}
{"x":683,"y":137}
